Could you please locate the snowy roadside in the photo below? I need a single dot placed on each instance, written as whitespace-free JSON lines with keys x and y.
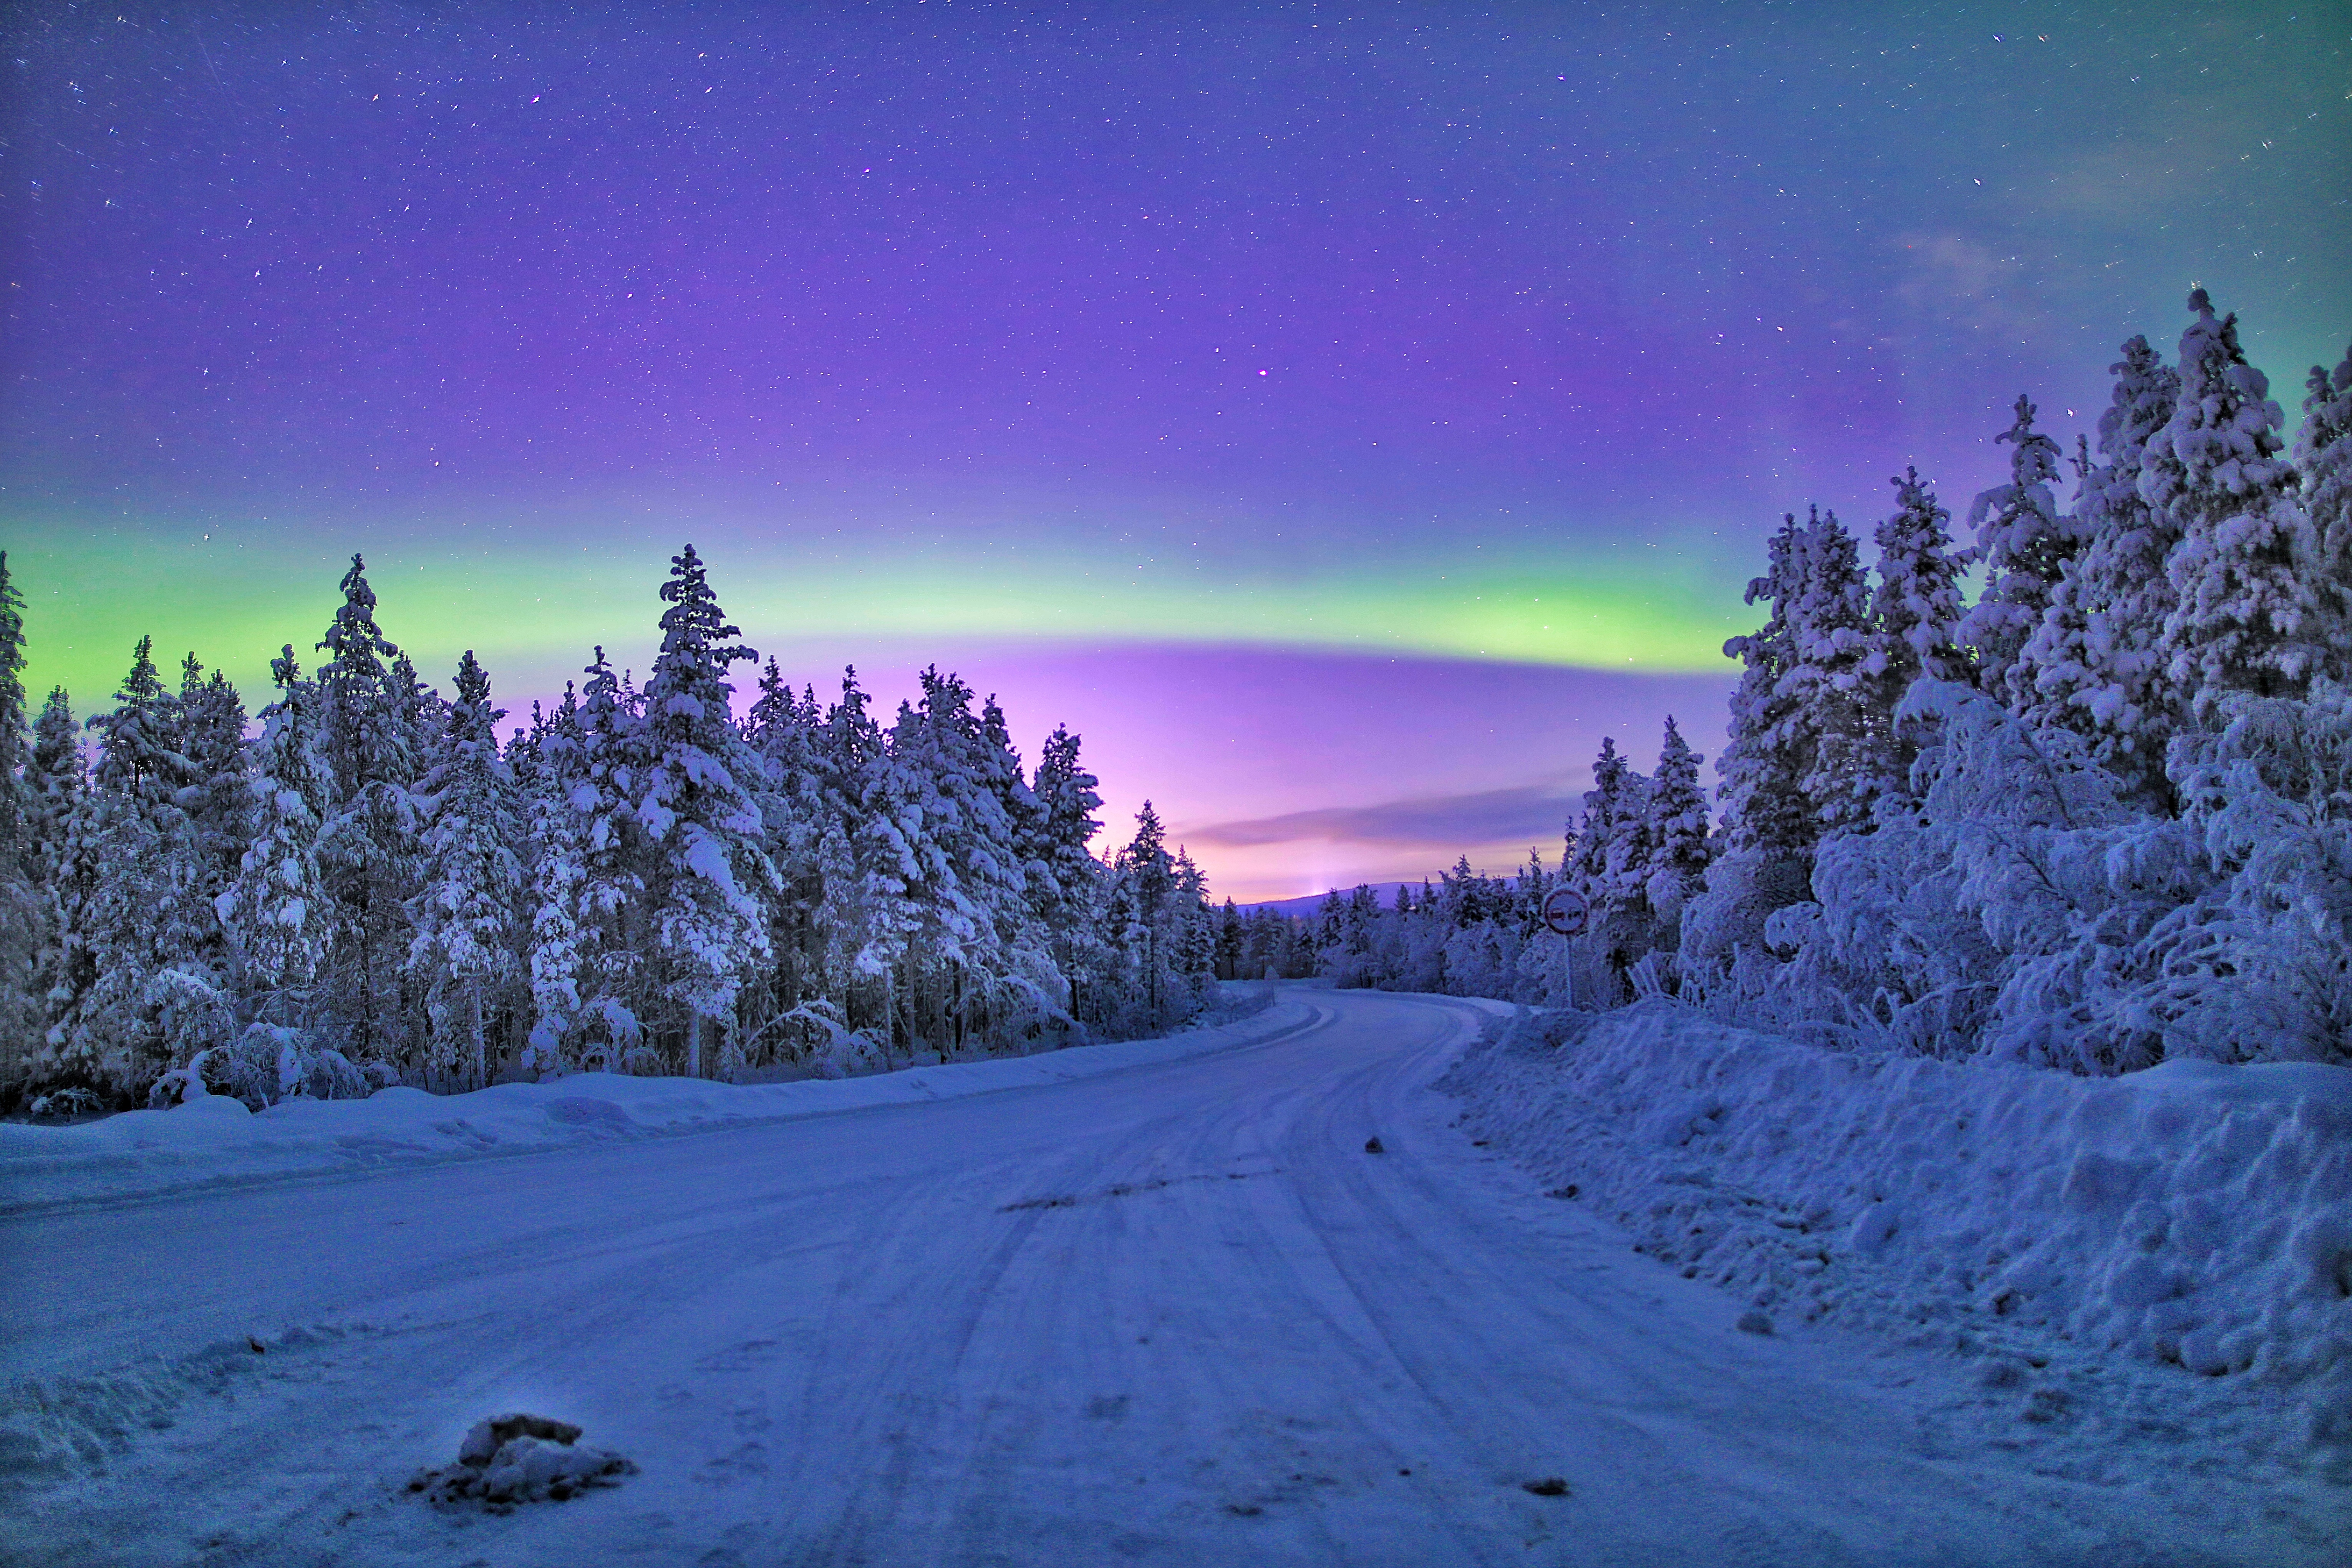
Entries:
{"x":215,"y":1141}
{"x":2096,"y":1244}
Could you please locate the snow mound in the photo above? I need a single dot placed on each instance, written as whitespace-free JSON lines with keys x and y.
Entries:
{"x":2194,"y":1215}
{"x":54,"y":1428}
{"x":210,"y":1138}
{"x":517,"y":1458}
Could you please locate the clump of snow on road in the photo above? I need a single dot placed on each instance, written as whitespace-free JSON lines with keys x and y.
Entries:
{"x":518,"y":1458}
{"x":2191,"y":1215}
{"x":210,"y":1139}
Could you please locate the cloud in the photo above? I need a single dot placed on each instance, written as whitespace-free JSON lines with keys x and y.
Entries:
{"x":1530,"y":814}
{"x":1953,"y":278}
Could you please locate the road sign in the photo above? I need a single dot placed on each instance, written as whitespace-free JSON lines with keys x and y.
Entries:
{"x":1565,"y":912}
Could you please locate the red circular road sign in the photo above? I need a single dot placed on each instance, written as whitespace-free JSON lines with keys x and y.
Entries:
{"x":1565,"y":912}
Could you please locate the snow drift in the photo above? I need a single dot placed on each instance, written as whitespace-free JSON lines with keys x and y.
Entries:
{"x":2191,"y":1214}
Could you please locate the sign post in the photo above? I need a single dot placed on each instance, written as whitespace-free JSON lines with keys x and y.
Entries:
{"x":1565,"y":913}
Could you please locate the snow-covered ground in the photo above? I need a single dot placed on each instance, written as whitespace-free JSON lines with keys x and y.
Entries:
{"x":2162,"y":1260}
{"x":213,"y":1140}
{"x":1172,"y":1310}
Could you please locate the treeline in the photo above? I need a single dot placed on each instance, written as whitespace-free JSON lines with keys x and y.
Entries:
{"x":376,"y":888}
{"x":2099,"y":817}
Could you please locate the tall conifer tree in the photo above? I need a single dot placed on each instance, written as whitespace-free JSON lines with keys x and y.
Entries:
{"x":60,"y":866}
{"x":1769,"y":753}
{"x":1913,"y":631}
{"x":464,"y":954}
{"x":2024,"y":544}
{"x":2248,"y":616}
{"x":1065,"y":879}
{"x":12,"y":717}
{"x":23,"y":912}
{"x":2322,"y":452}
{"x":277,"y":910}
{"x":368,"y":845}
{"x":156,"y":994}
{"x":2098,"y":667}
{"x":1842,"y":728}
{"x":708,"y":869}
{"x":1678,"y":843}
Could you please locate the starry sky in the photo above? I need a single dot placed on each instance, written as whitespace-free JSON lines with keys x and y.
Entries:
{"x":1343,"y":416}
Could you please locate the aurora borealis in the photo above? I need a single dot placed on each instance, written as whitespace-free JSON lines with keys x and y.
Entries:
{"x":1342,"y":416}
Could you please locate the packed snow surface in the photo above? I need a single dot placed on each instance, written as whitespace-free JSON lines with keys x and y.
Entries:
{"x":1170,"y":1312}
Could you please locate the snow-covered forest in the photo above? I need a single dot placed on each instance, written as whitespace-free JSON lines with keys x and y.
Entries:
{"x":2097,"y":818}
{"x":376,"y":888}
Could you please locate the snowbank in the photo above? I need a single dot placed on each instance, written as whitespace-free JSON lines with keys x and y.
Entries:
{"x":214,"y":1139}
{"x":2191,"y":1214}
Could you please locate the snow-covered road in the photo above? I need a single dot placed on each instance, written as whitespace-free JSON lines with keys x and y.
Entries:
{"x":1171,"y":1314}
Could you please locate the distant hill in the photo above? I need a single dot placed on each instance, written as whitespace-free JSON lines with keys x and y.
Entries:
{"x":1386,"y":891}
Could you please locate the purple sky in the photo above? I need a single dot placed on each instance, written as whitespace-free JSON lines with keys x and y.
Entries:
{"x":1342,"y":416}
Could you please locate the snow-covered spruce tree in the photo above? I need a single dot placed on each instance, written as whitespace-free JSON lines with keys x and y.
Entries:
{"x":958,"y":860}
{"x":2097,"y":668}
{"x":1610,"y":869}
{"x":612,"y":912}
{"x":1845,"y":724}
{"x":1914,"y":629}
{"x":863,"y":855}
{"x":135,"y":756}
{"x":83,"y":1018}
{"x":1229,"y":937}
{"x":1626,"y":875}
{"x":22,"y":905}
{"x":54,"y":776}
{"x":156,"y":994}
{"x":368,"y":844}
{"x":1679,"y":847}
{"x":2324,"y":456}
{"x":1192,"y":947}
{"x":215,"y":789}
{"x":558,"y":871}
{"x":423,"y":714}
{"x":1065,"y":881}
{"x":707,"y":869}
{"x":1349,"y":936}
{"x":2249,"y":616}
{"x":788,"y":1011}
{"x":13,"y":831}
{"x":63,"y":874}
{"x":1770,"y":751}
{"x":1421,"y":945}
{"x":1118,"y":981}
{"x":2257,"y":966}
{"x":1586,"y":870}
{"x":906,"y":884}
{"x":1154,"y":903}
{"x":463,"y":955}
{"x":1004,"y":989}
{"x":1040,"y":994}
{"x":1770,"y":825}
{"x":2024,"y":543}
{"x":1811,"y":744}
{"x":276,"y":909}
{"x":1917,"y":605}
